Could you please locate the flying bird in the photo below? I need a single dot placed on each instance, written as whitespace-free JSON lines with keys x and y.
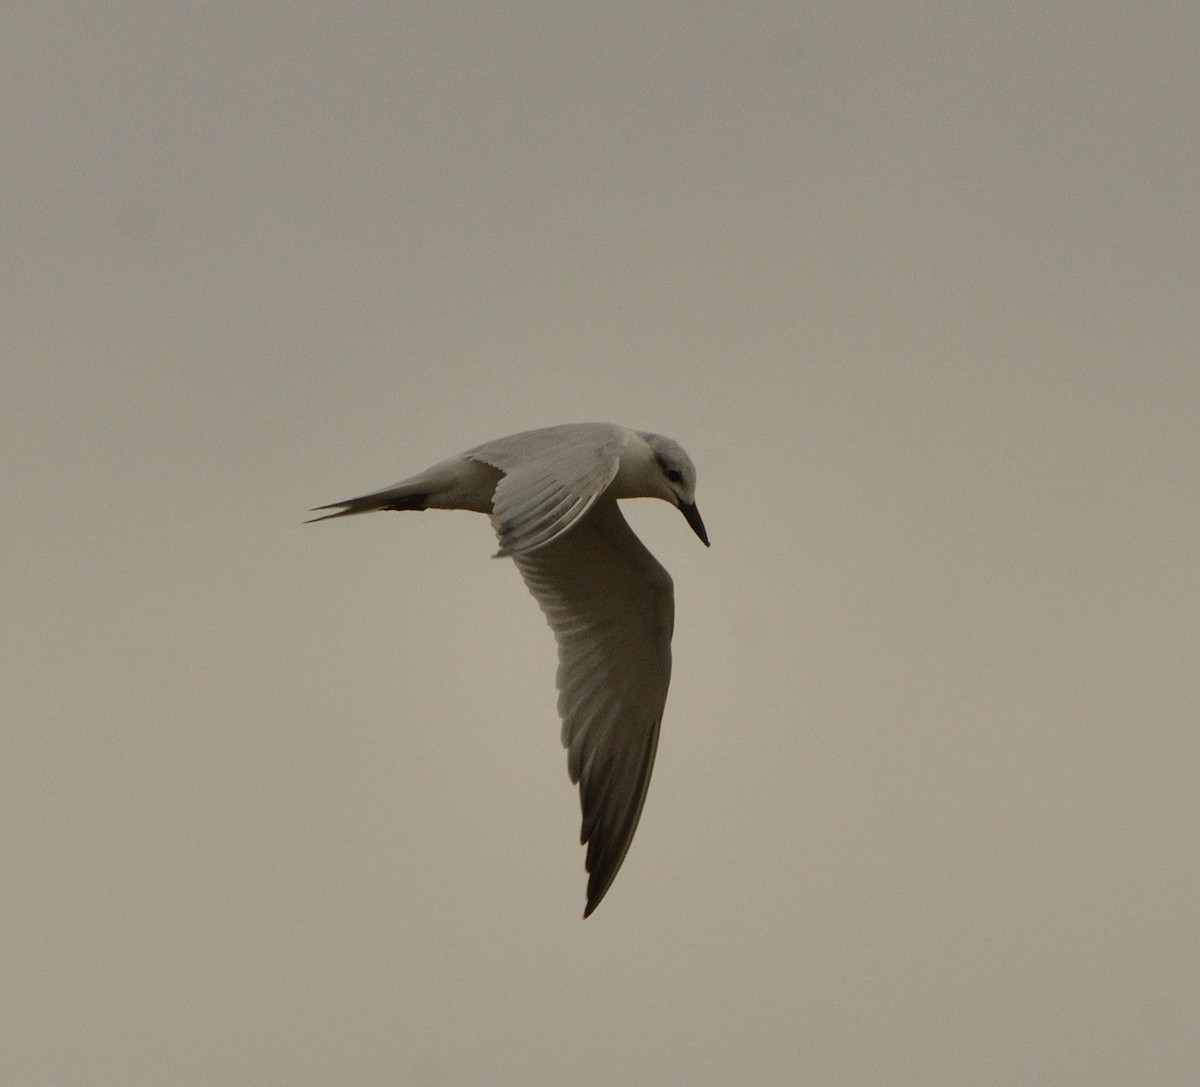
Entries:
{"x":552,"y":498}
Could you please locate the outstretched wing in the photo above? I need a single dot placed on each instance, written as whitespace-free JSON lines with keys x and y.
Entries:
{"x":552,"y":477}
{"x":611,"y":606}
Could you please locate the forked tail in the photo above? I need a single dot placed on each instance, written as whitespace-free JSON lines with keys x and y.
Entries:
{"x":398,"y":498}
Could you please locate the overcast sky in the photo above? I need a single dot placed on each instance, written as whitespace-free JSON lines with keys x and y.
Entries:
{"x":917,"y":287}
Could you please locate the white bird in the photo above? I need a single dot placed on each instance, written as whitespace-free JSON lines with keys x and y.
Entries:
{"x":552,"y":497}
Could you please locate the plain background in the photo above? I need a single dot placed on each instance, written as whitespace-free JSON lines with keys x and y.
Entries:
{"x":916,"y":286}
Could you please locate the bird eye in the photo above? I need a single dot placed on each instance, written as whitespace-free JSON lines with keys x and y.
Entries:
{"x":674,"y":475}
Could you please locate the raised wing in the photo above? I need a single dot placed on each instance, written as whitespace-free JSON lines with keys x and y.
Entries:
{"x":552,"y":477}
{"x":611,"y":606}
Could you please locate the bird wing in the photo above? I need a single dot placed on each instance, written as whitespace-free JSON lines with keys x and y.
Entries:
{"x":552,"y":477}
{"x":611,"y":606}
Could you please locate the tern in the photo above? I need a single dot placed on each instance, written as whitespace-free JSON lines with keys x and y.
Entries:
{"x":552,"y":498}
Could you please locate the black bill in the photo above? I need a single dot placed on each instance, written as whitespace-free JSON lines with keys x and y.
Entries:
{"x":692,"y":516}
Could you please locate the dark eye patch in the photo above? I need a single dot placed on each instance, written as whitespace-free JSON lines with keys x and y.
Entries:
{"x":673,"y":474}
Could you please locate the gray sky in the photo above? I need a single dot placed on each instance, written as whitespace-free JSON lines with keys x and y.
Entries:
{"x":916,"y":287}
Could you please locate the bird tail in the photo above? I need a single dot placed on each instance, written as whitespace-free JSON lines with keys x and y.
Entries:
{"x":400,"y":497}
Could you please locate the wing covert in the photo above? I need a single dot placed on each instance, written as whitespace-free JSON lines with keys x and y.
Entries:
{"x":552,"y":477}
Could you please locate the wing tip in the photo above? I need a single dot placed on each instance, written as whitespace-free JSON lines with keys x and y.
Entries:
{"x":597,"y":889}
{"x":599,"y":883}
